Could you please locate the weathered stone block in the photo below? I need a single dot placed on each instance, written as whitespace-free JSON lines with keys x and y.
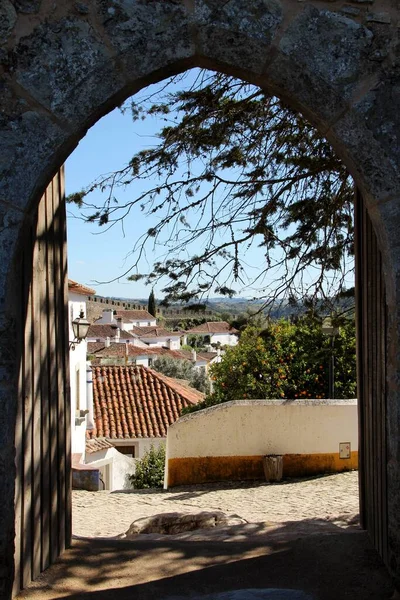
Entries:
{"x":147,"y":36}
{"x":26,"y":144}
{"x":237,"y":33}
{"x":321,"y":57}
{"x":377,"y":150}
{"x":329,"y":45}
{"x":174,"y":523}
{"x":381,"y":17}
{"x":28,"y":6}
{"x":61,"y":65}
{"x":366,"y":157}
{"x":8,"y":17}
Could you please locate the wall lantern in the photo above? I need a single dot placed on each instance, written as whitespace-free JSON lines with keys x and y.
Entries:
{"x":80,"y":327}
{"x":329,"y":330}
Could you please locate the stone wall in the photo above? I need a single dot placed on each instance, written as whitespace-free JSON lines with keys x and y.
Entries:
{"x":228,"y":441}
{"x":66,"y":64}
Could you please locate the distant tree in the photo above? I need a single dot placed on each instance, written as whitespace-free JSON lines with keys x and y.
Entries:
{"x":285,"y":360}
{"x":151,"y":304}
{"x":183,"y":369}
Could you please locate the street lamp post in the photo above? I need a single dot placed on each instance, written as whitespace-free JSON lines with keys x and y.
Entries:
{"x":329,"y":330}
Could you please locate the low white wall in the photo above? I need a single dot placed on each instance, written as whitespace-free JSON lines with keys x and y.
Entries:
{"x":144,"y":444}
{"x":255,"y":428}
{"x":119,"y":465}
{"x":224,"y":339}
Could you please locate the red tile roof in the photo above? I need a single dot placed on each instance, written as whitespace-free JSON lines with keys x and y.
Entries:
{"x":96,"y":444}
{"x":118,"y":350}
{"x":93,"y":347}
{"x":99,"y":331}
{"x":132,"y":402}
{"x":213,"y":327}
{"x":208,"y":356}
{"x":79,"y":288}
{"x":134,"y":315}
{"x":150,"y":332}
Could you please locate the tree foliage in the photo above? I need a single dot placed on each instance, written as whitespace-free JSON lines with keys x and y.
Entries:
{"x":233,"y":168}
{"x":183,"y":369}
{"x":151,"y":304}
{"x":149,"y":472}
{"x":286,"y":361}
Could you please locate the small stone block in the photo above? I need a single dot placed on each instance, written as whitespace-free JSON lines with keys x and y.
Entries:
{"x":379,"y":18}
{"x":350,"y":10}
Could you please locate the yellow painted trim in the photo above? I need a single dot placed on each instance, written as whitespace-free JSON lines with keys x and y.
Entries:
{"x":205,"y":469}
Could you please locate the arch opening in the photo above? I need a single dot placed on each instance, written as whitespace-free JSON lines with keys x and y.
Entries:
{"x":333,"y":84}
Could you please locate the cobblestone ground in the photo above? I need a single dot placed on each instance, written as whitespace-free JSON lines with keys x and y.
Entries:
{"x":333,"y":497}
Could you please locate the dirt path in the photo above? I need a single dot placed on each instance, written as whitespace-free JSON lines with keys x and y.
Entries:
{"x":333,"y":497}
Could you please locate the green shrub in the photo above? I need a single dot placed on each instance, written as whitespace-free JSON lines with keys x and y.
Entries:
{"x":150,"y":469}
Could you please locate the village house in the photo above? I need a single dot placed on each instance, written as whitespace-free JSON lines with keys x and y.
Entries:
{"x":107,"y":333}
{"x":77,"y":294}
{"x":216,"y":333}
{"x":128,"y":354}
{"x":127,"y":319}
{"x":138,"y":327}
{"x":132,"y":409}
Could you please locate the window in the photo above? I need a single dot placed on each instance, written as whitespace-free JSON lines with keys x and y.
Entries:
{"x":127,"y":450}
{"x":78,"y":388}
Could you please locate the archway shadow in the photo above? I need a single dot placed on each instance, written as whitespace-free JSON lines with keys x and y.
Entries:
{"x":315,"y":556}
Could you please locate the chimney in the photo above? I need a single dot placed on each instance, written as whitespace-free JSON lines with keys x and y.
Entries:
{"x":194,"y":355}
{"x":108,"y":316}
{"x":107,"y":342}
{"x":117,"y":334}
{"x":89,"y":397}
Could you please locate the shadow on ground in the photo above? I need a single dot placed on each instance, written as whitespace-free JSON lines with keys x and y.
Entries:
{"x":325,"y":561}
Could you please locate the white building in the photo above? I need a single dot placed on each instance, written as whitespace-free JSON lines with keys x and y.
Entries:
{"x":112,"y":467}
{"x":158,"y":337}
{"x":77,"y":294}
{"x":132,"y":410}
{"x":127,"y":319}
{"x":216,"y":332}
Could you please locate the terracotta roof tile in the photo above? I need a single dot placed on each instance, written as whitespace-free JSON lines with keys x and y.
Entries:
{"x":96,"y":444}
{"x":155,"y":332}
{"x":79,"y":288}
{"x":208,"y":356}
{"x":133,"y":401}
{"x":134,"y":315}
{"x":93,"y":347}
{"x":103,"y":331}
{"x":213,"y":327}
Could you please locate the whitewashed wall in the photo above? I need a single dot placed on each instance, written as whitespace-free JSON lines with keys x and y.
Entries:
{"x":225,"y":339}
{"x":114,"y":467}
{"x":77,"y":361}
{"x":221,"y":440}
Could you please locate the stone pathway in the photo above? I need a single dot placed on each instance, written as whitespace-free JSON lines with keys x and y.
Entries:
{"x":333,"y":498}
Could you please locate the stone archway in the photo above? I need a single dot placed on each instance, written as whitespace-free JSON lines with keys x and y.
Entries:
{"x":64,"y":66}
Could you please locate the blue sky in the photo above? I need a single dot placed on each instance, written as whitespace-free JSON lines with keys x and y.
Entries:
{"x":94,"y":255}
{"x":97,"y":256}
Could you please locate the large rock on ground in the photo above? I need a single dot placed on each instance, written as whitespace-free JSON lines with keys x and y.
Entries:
{"x":175,"y":522}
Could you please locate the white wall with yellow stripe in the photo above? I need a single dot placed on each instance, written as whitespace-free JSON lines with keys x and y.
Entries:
{"x":228,"y":441}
